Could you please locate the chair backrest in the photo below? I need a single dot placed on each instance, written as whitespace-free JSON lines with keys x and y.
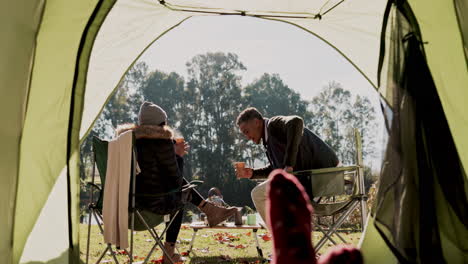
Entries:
{"x":100,"y":152}
{"x":359,"y":186}
{"x":100,"y":159}
{"x":328,"y":182}
{"x":325,"y":182}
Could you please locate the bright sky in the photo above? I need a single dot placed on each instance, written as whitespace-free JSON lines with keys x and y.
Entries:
{"x":304,"y":62}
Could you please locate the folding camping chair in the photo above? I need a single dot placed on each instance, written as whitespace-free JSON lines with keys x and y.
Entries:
{"x":145,"y":220}
{"x":327,"y":183}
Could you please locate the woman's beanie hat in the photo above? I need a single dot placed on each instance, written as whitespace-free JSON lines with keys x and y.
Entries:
{"x":151,"y":114}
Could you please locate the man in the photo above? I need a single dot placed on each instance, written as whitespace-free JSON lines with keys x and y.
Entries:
{"x":289,"y":146}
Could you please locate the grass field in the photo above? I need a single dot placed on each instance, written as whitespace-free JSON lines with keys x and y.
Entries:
{"x":211,"y":245}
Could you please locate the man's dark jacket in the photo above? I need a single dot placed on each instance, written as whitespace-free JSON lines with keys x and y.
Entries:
{"x":289,"y":143}
{"x":161,"y":169}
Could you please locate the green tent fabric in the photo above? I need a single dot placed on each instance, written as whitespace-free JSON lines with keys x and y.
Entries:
{"x":444,"y":52}
{"x":418,"y":185}
{"x":63,"y":58}
{"x":15,"y":77}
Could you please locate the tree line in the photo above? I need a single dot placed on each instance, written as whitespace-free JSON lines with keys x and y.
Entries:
{"x":204,"y":107}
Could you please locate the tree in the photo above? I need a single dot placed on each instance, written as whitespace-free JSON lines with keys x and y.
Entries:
{"x":331,"y":111}
{"x":203,"y":109}
{"x":364,"y":119}
{"x":336,"y":114}
{"x":165,"y":90}
{"x":213,"y":102}
{"x":271,"y":96}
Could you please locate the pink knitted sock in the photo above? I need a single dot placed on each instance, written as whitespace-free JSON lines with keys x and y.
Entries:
{"x":289,"y":218}
{"x":342,"y":254}
{"x":289,"y":214}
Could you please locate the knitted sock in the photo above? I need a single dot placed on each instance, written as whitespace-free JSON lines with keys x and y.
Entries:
{"x":342,"y":254}
{"x":289,"y":215}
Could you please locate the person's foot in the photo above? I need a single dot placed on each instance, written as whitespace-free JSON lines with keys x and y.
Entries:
{"x":342,"y":254}
{"x":289,"y":219}
{"x":171,"y":255}
{"x":216,"y":214}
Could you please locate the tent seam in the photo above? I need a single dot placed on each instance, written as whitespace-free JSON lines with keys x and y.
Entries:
{"x":180,"y":8}
{"x":80,"y":52}
{"x":20,"y":139}
{"x":123,"y":76}
{"x":461,"y":32}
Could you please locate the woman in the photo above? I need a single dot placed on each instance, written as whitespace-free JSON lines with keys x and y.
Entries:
{"x":160,"y":160}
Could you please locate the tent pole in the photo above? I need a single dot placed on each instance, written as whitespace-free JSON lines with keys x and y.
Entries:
{"x":90,"y":210}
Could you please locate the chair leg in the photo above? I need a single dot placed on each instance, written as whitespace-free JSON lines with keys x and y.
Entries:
{"x":192,"y":241}
{"x":326,"y":235}
{"x":363,"y":203}
{"x":259,"y":249}
{"x":156,"y":237}
{"x":102,"y":255}
{"x":342,"y":239}
{"x":132,"y":229}
{"x":113,"y":253}
{"x":169,"y":223}
{"x":150,"y":253}
{"x":109,"y":247}
{"x":335,"y":227}
{"x":90,"y":216}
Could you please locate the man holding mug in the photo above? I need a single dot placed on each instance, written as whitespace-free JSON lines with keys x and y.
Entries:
{"x":289,"y":146}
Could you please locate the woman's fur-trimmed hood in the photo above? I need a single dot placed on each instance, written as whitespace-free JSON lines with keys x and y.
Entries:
{"x":147,"y":131}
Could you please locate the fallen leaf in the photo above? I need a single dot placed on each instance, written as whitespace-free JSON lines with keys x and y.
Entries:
{"x":266,"y":237}
{"x":248,"y":233}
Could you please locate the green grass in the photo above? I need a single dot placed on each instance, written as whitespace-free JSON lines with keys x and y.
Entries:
{"x":211,"y":245}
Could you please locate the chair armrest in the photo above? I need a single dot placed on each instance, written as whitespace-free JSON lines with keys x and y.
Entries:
{"x":326,"y":170}
{"x":94,"y":185}
{"x":191,"y":185}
